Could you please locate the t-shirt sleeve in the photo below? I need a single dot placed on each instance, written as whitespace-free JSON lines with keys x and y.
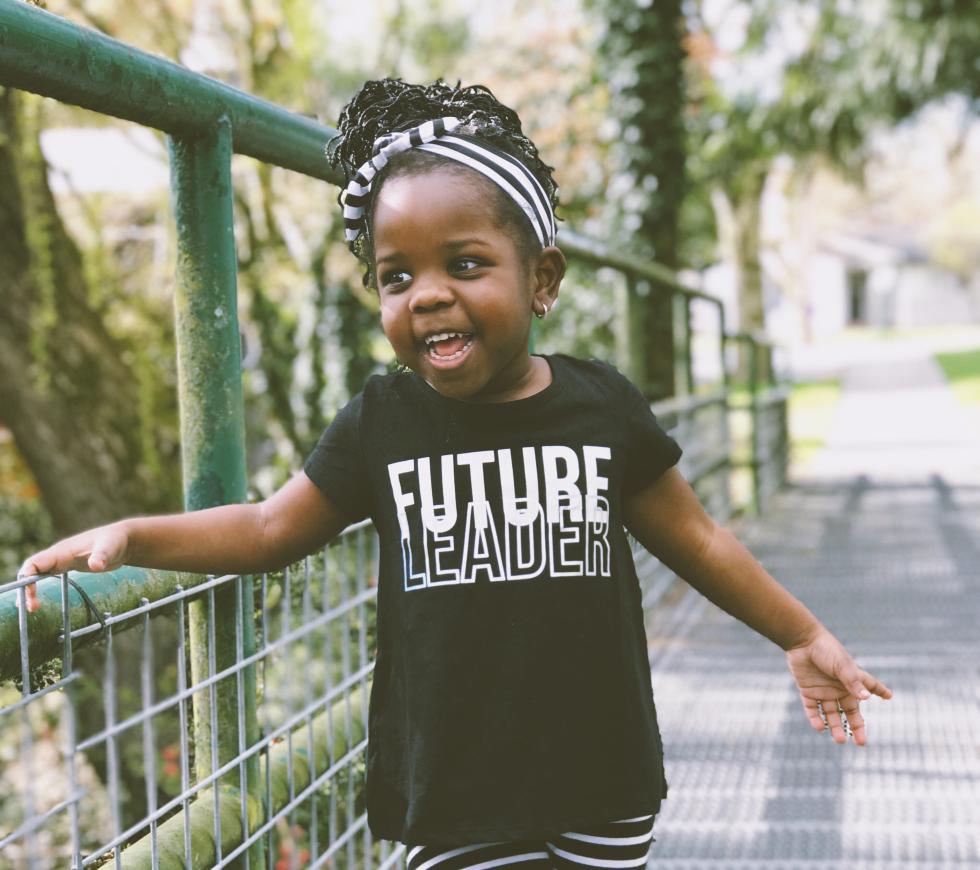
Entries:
{"x":650,"y":450}
{"x":337,"y":464}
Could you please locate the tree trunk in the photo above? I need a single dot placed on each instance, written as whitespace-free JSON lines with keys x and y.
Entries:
{"x":644,"y":49}
{"x":739,"y":213}
{"x":66,"y":392}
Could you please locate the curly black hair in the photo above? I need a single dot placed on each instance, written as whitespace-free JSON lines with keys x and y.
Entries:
{"x":390,"y":105}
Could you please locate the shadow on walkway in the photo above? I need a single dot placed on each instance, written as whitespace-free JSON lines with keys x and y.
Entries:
{"x":889,"y":560}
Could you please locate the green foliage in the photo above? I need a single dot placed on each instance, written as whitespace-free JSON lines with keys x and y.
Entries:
{"x":955,"y":238}
{"x":834,"y":74}
{"x":811,"y":409}
{"x":25,"y":528}
{"x":854,"y":68}
{"x":38,"y":233}
{"x":423,"y":39}
{"x":643,"y":52}
{"x":586,"y":323}
{"x":935,"y":52}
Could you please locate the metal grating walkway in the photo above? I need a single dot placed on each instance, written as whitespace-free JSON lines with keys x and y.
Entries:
{"x":892,"y":566}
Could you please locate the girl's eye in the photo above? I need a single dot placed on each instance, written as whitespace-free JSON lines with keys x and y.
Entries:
{"x":466,"y":264}
{"x":395,"y":278}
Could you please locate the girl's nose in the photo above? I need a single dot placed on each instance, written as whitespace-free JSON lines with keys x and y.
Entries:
{"x":429,"y":293}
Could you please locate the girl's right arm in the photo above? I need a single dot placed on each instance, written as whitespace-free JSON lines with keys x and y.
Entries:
{"x":231,"y":539}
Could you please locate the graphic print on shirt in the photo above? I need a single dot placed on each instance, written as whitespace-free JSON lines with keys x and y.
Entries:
{"x":504,"y":515}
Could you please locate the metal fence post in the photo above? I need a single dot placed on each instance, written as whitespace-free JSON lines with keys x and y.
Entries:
{"x":754,"y":410}
{"x":683,"y":350}
{"x":637,"y":289}
{"x":212,"y":426}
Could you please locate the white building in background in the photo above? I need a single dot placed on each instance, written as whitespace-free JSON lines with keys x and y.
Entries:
{"x":876,"y":278}
{"x":883,"y":280}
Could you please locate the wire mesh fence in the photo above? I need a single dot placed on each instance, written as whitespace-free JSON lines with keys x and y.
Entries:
{"x":102,"y":747}
{"x":772,"y":446}
{"x":115,"y":750}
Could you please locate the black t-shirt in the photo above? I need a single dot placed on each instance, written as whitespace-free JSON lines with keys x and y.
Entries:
{"x":511,"y":695}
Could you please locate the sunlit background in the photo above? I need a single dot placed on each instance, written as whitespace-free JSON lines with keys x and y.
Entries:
{"x":815,"y":165}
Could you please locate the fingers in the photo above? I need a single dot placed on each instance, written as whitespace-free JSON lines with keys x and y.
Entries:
{"x":877,"y":687}
{"x":853,"y":679}
{"x":31,"y":599}
{"x":63,"y":556}
{"x":33,"y":567}
{"x":863,"y":685}
{"x":833,"y":714}
{"x":857,"y":727}
{"x":813,"y":714}
{"x":39,"y":563}
{"x":840,"y":716}
{"x":108,"y":550}
{"x":832,"y":686}
{"x":101,"y":549}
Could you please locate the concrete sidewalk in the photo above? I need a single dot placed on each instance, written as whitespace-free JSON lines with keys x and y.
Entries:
{"x":881,"y":539}
{"x":898,"y":420}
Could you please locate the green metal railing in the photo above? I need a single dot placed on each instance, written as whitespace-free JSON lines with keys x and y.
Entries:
{"x":250,"y":774}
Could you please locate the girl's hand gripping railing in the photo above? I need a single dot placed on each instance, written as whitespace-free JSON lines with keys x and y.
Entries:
{"x":100,"y":549}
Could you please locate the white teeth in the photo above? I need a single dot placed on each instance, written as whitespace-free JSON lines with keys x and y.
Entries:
{"x":442,"y":336}
{"x":432,"y":351}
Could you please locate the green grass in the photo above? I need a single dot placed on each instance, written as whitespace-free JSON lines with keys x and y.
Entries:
{"x":962,"y":370}
{"x":811,"y":411}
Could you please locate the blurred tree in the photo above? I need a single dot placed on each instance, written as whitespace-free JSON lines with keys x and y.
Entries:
{"x":88,"y":372}
{"x":77,"y":395}
{"x":955,"y":240}
{"x":643,"y":54}
{"x":812,"y":81}
{"x":312,"y":333}
{"x":929,"y":48}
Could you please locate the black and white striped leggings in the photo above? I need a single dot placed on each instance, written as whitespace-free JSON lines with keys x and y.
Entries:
{"x":622,"y":843}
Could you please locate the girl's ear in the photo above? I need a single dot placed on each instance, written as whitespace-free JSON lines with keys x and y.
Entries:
{"x":546,"y":275}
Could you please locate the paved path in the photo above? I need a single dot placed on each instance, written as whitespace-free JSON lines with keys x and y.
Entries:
{"x":881,"y":539}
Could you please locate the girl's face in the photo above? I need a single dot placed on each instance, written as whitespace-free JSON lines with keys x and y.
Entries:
{"x":456,"y":296}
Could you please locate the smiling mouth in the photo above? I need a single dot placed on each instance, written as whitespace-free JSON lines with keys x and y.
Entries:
{"x":448,"y":346}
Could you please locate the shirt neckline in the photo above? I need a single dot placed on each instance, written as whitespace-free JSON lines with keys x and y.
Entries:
{"x":514,"y":407}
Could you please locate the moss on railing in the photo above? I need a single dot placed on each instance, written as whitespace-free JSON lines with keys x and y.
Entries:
{"x":112,"y":592}
{"x":330,"y":741}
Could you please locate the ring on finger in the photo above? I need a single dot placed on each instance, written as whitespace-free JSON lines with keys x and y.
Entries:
{"x":843,"y":719}
{"x":823,"y":716}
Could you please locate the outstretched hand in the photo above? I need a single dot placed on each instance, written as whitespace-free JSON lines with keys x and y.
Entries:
{"x":100,"y":549}
{"x":830,"y":680}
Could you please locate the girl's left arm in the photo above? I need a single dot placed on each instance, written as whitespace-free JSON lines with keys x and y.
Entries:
{"x":669,"y":520}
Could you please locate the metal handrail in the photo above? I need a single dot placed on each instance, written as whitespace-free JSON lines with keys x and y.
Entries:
{"x":206,"y":121}
{"x":47,"y":55}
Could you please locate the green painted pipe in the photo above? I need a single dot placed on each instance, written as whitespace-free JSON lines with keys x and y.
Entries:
{"x":209,"y":371}
{"x":212,"y":426}
{"x":112,"y":592}
{"x":47,"y":55}
{"x":601,"y":255}
{"x":328,"y":731}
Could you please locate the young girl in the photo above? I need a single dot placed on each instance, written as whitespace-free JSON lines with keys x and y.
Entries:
{"x":511,"y":716}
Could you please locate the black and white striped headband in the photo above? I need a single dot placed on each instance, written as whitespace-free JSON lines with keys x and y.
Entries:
{"x":507,"y":172}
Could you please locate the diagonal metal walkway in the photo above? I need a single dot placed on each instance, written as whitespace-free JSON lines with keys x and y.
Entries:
{"x":881,"y":539}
